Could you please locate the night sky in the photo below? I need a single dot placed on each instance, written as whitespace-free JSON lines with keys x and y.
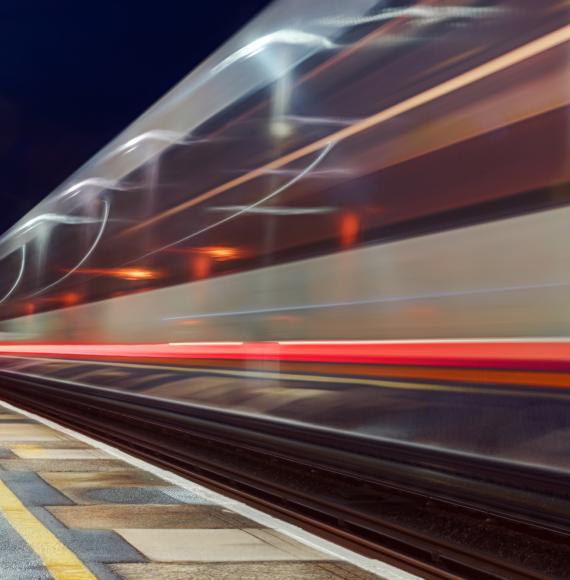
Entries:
{"x":74,"y":74}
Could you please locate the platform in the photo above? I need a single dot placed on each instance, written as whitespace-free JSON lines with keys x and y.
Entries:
{"x":73,"y":511}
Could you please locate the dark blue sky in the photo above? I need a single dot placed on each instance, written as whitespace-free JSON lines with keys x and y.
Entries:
{"x":73,"y":74}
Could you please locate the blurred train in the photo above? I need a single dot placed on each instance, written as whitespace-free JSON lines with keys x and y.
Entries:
{"x":353,"y":216}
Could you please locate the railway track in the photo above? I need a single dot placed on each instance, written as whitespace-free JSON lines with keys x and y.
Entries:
{"x":433,"y":515}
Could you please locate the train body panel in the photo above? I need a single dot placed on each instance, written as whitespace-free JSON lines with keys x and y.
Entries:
{"x":507,"y":278}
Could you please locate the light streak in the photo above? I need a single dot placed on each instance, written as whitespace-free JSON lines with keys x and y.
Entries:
{"x":414,"y":341}
{"x":273,"y":210}
{"x":303,"y":120}
{"x":19,"y":276}
{"x":285,"y":36}
{"x":327,"y":148}
{"x":160,"y":135}
{"x":508,"y":354}
{"x":56,"y":218}
{"x":220,"y":252}
{"x":387,"y":299}
{"x":173,"y":137}
{"x":465,"y":79}
{"x":220,"y":343}
{"x":135,"y":274}
{"x":104,"y":219}
{"x":321,"y":173}
{"x":122,"y":273}
{"x":99,"y":182}
{"x":425,"y":12}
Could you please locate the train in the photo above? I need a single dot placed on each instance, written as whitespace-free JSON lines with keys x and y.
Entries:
{"x":353,"y":216}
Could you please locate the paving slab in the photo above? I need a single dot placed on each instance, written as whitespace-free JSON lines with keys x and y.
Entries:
{"x":61,"y":444}
{"x":99,"y":545}
{"x":185,"y":496}
{"x":285,"y":543}
{"x":124,"y":478}
{"x":122,"y":495}
{"x":25,"y":432}
{"x":68,"y":465}
{"x":6,"y":453}
{"x":206,"y":545}
{"x":150,"y":516}
{"x":37,"y":452}
{"x":32,"y":490}
{"x":245,"y":571}
{"x":6,"y":416}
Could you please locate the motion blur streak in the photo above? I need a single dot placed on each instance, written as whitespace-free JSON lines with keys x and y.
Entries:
{"x":523,"y":53}
{"x":306,"y":171}
{"x":50,"y":219}
{"x":425,"y":12}
{"x":103,"y":220}
{"x":543,"y":355}
{"x":279,"y":37}
{"x":95,"y":182}
{"x":19,"y":275}
{"x":352,"y":219}
{"x":123,"y":273}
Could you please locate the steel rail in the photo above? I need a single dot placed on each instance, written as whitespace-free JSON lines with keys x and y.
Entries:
{"x":405,"y":525}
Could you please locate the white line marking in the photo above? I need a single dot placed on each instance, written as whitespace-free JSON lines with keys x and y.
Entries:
{"x":382,"y":569}
{"x":222,"y":343}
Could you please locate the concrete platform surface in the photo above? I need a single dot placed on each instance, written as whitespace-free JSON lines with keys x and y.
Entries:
{"x":71,"y":511}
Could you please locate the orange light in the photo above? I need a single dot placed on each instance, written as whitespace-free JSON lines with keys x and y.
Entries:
{"x":30,"y":308}
{"x":349,"y":228}
{"x":122,"y":273}
{"x":135,"y":274}
{"x":71,"y":298}
{"x":200,"y":266}
{"x":220,"y":252}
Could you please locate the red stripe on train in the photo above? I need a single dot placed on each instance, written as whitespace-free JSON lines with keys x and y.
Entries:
{"x":543,"y":355}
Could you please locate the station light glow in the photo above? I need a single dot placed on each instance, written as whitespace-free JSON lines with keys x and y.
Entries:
{"x":122,"y":273}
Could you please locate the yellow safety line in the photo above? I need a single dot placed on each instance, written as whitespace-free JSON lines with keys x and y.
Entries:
{"x":59,"y":560}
